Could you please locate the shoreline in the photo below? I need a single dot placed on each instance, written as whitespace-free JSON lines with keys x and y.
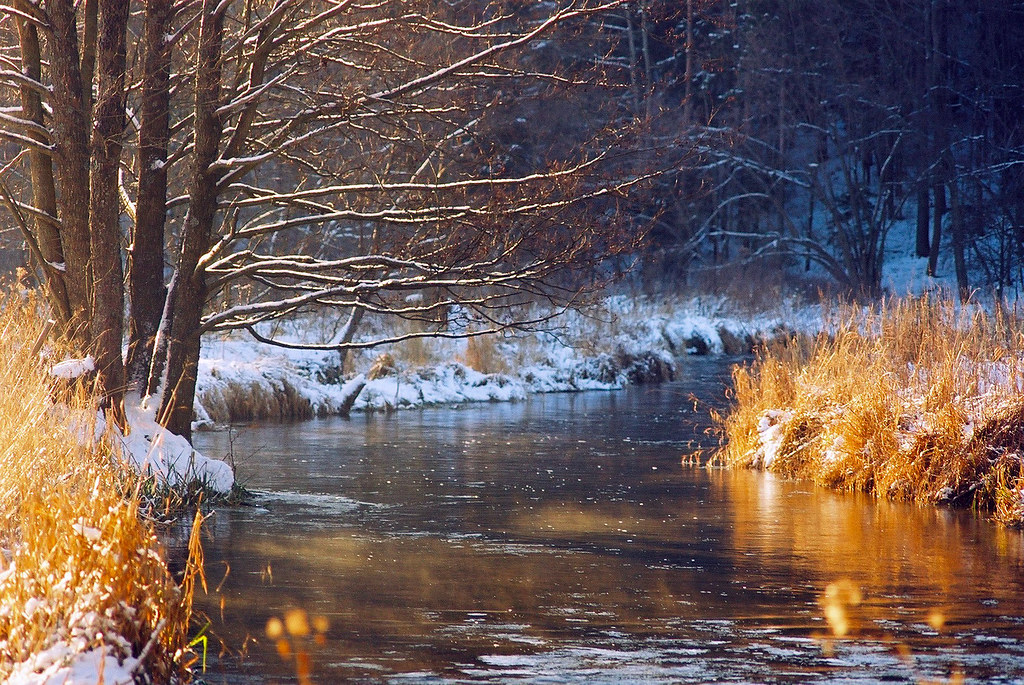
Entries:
{"x":621,"y":342}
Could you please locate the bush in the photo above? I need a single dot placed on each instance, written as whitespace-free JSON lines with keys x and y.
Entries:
{"x":80,"y":568}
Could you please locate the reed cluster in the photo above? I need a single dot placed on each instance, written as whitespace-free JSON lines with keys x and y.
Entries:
{"x":913,"y":399}
{"x":81,"y":570}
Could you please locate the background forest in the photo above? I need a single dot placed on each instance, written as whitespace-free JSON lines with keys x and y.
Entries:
{"x":823,"y":125}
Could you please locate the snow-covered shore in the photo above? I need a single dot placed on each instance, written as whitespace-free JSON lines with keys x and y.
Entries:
{"x":618,"y":342}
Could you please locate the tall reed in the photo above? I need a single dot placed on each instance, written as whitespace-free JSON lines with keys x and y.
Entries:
{"x":913,"y":399}
{"x":79,"y":566}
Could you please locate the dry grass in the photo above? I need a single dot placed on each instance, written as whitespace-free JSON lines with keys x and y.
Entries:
{"x":483,"y":354}
{"x":273,"y":399}
{"x":913,"y":400}
{"x":79,"y":564}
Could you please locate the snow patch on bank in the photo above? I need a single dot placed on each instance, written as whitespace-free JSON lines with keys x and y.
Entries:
{"x":771,"y":433}
{"x":147,"y":447}
{"x":70,"y":369}
{"x":621,"y":341}
{"x":62,"y":665}
{"x":153,"y":450}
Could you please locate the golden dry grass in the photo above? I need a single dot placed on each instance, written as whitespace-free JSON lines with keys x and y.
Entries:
{"x":914,"y":399}
{"x":79,"y":565}
{"x":483,"y":355}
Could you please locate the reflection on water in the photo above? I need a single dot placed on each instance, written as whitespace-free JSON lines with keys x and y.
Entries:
{"x":560,"y":540}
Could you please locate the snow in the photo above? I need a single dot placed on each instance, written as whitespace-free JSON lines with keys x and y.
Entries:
{"x":619,"y":341}
{"x":771,"y":432}
{"x":151,"y":449}
{"x":88,"y":532}
{"x":70,"y":369}
{"x":62,"y":665}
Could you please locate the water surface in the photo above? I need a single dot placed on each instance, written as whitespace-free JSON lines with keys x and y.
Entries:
{"x":561,"y":540}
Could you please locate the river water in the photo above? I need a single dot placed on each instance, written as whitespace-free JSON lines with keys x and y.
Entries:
{"x":561,"y":540}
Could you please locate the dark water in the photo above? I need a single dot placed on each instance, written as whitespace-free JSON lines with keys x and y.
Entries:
{"x":560,"y":540}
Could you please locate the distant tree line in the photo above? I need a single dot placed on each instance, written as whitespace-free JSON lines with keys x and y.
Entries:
{"x":177,"y":168}
{"x":824,"y":122}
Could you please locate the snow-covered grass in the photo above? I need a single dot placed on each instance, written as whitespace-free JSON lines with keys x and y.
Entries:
{"x":914,"y":399}
{"x":85,"y":595}
{"x":619,"y":340}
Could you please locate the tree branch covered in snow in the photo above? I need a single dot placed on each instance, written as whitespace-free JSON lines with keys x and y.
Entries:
{"x":292,"y":155}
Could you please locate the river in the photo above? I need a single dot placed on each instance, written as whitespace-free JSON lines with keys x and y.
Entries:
{"x":561,"y":540}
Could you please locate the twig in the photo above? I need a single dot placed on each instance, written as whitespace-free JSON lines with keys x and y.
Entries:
{"x":43,"y":334}
{"x":149,"y":646}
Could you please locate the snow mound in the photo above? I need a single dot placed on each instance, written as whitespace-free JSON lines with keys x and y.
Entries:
{"x":69,"y":369}
{"x":451,"y":383}
{"x":153,"y":450}
{"x":61,"y":665}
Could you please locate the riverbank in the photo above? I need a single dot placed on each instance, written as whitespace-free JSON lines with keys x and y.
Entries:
{"x":85,"y":592}
{"x":913,"y":399}
{"x":616,"y":342}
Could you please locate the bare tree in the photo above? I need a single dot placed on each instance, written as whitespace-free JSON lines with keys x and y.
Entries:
{"x":302,"y":154}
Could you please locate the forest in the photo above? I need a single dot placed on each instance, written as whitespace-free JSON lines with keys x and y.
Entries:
{"x":823,"y":124}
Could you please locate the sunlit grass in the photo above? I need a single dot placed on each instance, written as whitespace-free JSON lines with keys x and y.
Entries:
{"x":79,"y":566}
{"x":914,"y":399}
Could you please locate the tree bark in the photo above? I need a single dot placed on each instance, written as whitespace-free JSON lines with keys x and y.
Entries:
{"x":347,"y":334}
{"x":107,"y":303}
{"x":923,"y":245}
{"x":90,"y":24}
{"x":688,"y":73}
{"x":187,"y":294}
{"x":937,"y":123}
{"x":939,"y":191}
{"x":44,"y":191}
{"x":146,"y":290}
{"x":71,"y":160}
{"x":956,"y":226}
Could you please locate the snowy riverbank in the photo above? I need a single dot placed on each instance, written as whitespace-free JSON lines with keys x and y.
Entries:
{"x":620,"y":341}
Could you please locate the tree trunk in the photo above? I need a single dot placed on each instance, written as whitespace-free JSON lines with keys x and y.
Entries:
{"x":956,"y":225}
{"x":688,"y":73}
{"x":347,"y":334}
{"x":90,"y":23}
{"x":645,"y":46}
{"x":187,"y":294}
{"x":939,"y":191}
{"x":146,"y":266}
{"x":44,"y":192}
{"x":923,"y":222}
{"x":634,"y":59}
{"x":71,"y":159}
{"x":107,"y":303}
{"x":938,"y":124}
